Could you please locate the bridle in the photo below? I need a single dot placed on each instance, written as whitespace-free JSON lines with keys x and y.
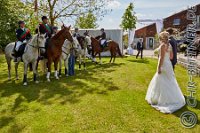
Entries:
{"x":37,"y":47}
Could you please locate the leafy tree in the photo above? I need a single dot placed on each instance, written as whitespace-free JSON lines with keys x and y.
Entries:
{"x":62,"y":9}
{"x":87,"y":21}
{"x":9,"y":18}
{"x":129,"y":19}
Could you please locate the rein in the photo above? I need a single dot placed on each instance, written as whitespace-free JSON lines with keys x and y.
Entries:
{"x":36,"y":47}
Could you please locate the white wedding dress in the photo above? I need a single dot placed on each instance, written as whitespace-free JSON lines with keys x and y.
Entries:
{"x":164,"y":93}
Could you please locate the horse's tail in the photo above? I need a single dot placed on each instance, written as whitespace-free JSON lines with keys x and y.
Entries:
{"x":119,"y":51}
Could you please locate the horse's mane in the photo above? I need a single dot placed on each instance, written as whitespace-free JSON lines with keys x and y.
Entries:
{"x":58,"y":34}
{"x":80,"y":37}
{"x":34,"y":39}
{"x":92,"y":38}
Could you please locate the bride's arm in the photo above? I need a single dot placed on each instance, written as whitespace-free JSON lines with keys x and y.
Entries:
{"x":162,"y":55}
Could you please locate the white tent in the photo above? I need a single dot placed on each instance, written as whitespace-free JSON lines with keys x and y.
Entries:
{"x":113,"y":34}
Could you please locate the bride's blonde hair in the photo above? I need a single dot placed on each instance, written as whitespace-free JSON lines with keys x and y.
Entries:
{"x":164,"y":36}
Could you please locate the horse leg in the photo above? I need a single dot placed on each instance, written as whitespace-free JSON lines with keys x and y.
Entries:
{"x":94,"y":59}
{"x":16,"y":70}
{"x":49,"y":70}
{"x":35,"y":73}
{"x":111,"y":53}
{"x":84,"y":62}
{"x":56,"y":68}
{"x":80,"y":62}
{"x":114,"y":57}
{"x":25,"y":73}
{"x":66,"y":65}
{"x":100,"y":58}
{"x":60,"y":67}
{"x":9,"y":67}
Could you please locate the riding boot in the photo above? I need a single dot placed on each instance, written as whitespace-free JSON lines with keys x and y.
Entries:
{"x":102,"y":47}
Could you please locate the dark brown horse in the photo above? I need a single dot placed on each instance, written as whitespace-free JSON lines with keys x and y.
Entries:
{"x":54,"y":49}
{"x":113,"y":47}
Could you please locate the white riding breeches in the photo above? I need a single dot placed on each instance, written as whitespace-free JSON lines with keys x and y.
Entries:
{"x":18,"y":44}
{"x":103,"y":41}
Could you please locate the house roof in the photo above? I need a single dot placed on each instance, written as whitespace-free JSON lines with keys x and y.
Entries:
{"x":146,"y":26}
{"x":182,"y":11}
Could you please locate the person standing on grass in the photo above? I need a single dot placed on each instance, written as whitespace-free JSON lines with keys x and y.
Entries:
{"x":173,"y":43}
{"x":139,"y":48}
{"x":164,"y":93}
{"x":71,"y":62}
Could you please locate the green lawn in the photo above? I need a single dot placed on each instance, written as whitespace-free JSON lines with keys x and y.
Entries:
{"x":104,"y":98}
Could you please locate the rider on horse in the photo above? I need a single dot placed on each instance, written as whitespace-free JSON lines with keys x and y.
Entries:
{"x":23,"y":36}
{"x":103,"y":38}
{"x":45,"y":28}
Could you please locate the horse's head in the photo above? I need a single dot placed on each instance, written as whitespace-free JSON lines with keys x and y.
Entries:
{"x":41,"y":42}
{"x":67,"y":34}
{"x":38,"y":41}
{"x":75,"y":43}
{"x":82,"y":41}
{"x":88,"y":40}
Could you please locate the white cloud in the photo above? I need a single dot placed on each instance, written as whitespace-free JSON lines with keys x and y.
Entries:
{"x":114,"y":4}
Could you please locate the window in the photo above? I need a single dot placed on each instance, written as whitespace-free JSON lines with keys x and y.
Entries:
{"x":176,"y":22}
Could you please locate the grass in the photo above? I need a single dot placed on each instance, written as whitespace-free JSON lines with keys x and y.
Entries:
{"x":106,"y":98}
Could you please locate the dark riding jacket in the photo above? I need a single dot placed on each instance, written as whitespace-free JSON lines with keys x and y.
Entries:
{"x":45,"y":28}
{"x":23,"y":34}
{"x":103,"y":35}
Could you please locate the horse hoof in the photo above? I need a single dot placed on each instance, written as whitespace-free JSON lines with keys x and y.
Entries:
{"x":25,"y":84}
{"x":57,"y":78}
{"x":48,"y":80}
{"x":37,"y":82}
{"x":67,"y":75}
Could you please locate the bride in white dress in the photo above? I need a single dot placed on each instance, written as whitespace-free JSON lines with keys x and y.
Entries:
{"x":164,"y":93}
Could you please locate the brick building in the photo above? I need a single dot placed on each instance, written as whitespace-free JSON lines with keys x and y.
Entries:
{"x":147,"y":34}
{"x":179,"y":20}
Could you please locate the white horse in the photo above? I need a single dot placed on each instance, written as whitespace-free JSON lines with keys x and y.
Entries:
{"x":66,"y":54}
{"x":30,"y":55}
{"x":82,"y":51}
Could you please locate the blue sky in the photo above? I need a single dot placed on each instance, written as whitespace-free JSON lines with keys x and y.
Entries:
{"x":145,"y":9}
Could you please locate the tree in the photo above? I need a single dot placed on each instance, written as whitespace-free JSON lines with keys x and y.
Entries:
{"x":129,"y":23}
{"x":9,"y":18}
{"x":59,"y":9}
{"x":129,"y":19}
{"x":87,"y":21}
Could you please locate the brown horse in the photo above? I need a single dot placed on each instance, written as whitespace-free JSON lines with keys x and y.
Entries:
{"x":113,"y":47}
{"x":54,"y":49}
